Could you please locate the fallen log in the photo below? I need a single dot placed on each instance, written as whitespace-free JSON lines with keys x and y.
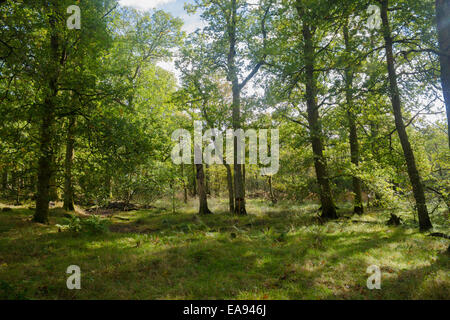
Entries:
{"x":439,"y":234}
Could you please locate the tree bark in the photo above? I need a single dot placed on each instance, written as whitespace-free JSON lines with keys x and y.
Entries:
{"x":194,"y":181}
{"x":353,"y":132}
{"x":16,"y":186}
{"x":419,"y":195}
{"x":44,"y":166}
{"x":315,"y":128}
{"x":203,"y":210}
{"x":4,"y":179}
{"x":53,"y":191}
{"x":208,"y":180}
{"x":239,"y":197}
{"x":68,"y":184}
{"x":230,"y":187}
{"x":443,"y":27}
{"x":272,"y":195}
{"x":47,"y":113}
{"x":185,"y":197}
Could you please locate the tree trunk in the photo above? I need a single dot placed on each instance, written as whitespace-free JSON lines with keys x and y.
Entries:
{"x":53,"y":191}
{"x":353,"y":133}
{"x":239,"y":197}
{"x":202,"y":191}
{"x":443,"y":27}
{"x":172,"y":188}
{"x":230,"y":187}
{"x":315,"y":128}
{"x":419,"y":195}
{"x":244,"y":176}
{"x":4,"y":179}
{"x":16,"y":187}
{"x":185,"y":197}
{"x":109,"y":187}
{"x":194,"y":181}
{"x":68,"y":185}
{"x":47,"y":114}
{"x":44,"y":166}
{"x":208,"y":180}
{"x":272,"y":195}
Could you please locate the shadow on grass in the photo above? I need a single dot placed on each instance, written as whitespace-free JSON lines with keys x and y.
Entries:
{"x":186,"y":257}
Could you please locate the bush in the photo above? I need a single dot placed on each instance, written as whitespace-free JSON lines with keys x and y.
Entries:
{"x":74,"y":225}
{"x":93,"y":225}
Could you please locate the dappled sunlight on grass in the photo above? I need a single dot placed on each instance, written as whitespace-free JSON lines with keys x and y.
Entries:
{"x":278,"y":253}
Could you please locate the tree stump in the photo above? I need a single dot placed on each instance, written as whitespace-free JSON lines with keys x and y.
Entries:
{"x":394,"y":220}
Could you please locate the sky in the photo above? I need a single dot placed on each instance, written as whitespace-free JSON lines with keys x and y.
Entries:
{"x":176,"y":8}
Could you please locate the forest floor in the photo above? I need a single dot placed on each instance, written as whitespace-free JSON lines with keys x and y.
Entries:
{"x":276,"y":252}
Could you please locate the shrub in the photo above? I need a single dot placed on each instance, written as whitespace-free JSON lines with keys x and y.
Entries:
{"x":93,"y":225}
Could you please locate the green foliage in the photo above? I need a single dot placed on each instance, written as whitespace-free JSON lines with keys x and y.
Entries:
{"x":92,"y":225}
{"x":107,"y":80}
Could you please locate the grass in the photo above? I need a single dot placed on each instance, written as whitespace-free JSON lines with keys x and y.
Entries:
{"x":276,"y":252}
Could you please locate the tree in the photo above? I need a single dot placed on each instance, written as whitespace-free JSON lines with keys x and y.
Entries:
{"x":302,"y":73}
{"x":231,"y":24}
{"x":419,"y":194}
{"x":443,"y":27}
{"x":68,"y":183}
{"x":55,"y":60}
{"x":205,"y":86}
{"x":353,"y":132}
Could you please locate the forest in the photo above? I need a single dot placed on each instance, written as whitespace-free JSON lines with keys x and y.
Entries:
{"x":273,"y":150}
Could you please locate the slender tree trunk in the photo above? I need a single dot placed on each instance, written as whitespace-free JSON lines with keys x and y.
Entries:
{"x":353,"y":136}
{"x":239,"y":197}
{"x":16,"y":180}
{"x":202,"y":191}
{"x":4,"y":179}
{"x":14,"y":184}
{"x":373,"y":139}
{"x":47,"y":114}
{"x":217,"y":184}
{"x":53,"y":192}
{"x":244,"y":177}
{"x":172,"y":188}
{"x":194,"y":181}
{"x":443,"y":27}
{"x":230,"y":187}
{"x":108,"y":187}
{"x":272,"y":195}
{"x":185,"y":198}
{"x":68,"y":184}
{"x":419,"y":195}
{"x":315,"y":128}
{"x":208,"y":180}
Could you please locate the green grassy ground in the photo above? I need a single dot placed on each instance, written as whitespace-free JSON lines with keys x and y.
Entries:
{"x":277,"y":252}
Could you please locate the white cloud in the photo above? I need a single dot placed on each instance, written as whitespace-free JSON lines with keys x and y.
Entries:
{"x":144,"y":4}
{"x":170,"y":66}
